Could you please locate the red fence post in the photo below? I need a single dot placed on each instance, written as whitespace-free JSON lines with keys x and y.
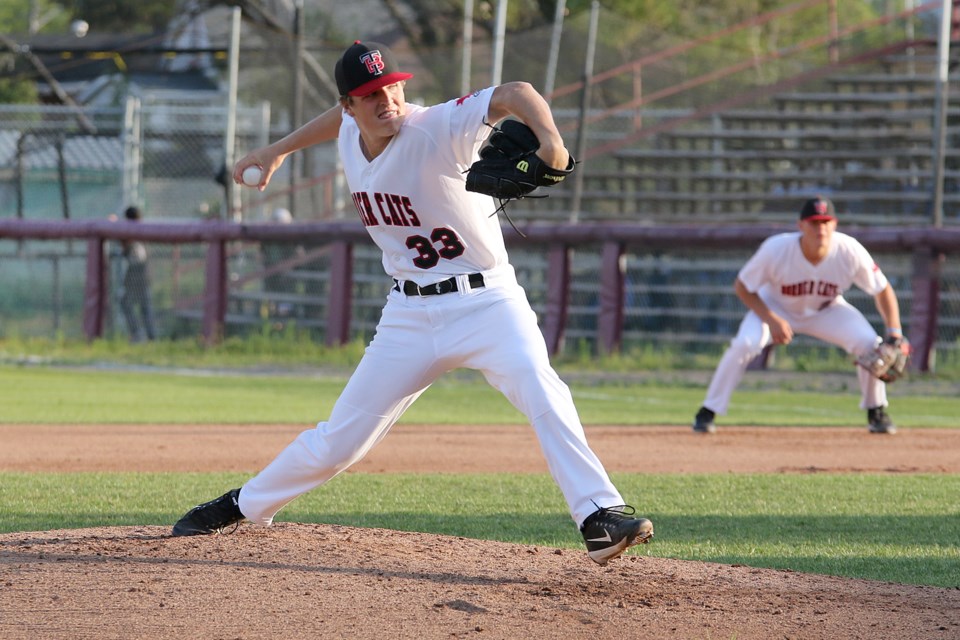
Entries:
{"x":95,"y":290}
{"x":558,"y":294}
{"x":215,"y":292}
{"x":925,"y":306}
{"x":340,"y":299}
{"x":610,"y":315}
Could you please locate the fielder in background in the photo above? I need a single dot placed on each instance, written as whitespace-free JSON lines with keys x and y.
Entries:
{"x":455,"y":300}
{"x":135,"y":297}
{"x":793,"y":284}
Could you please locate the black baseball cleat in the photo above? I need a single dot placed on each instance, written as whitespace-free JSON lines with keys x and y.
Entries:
{"x":608,"y":531}
{"x":210,"y":517}
{"x":703,"y":422}
{"x":879,"y":421}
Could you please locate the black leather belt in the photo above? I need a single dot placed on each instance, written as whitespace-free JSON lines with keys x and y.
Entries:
{"x":411,"y":288}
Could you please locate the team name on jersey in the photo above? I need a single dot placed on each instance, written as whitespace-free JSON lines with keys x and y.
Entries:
{"x":809,"y":288}
{"x":388,"y":208}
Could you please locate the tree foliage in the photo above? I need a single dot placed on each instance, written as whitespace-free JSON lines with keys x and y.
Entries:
{"x":30,"y":16}
{"x":17,"y":91}
{"x":138,"y":16}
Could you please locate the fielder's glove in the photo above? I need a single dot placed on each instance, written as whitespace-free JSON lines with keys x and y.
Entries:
{"x":888,"y":361}
{"x":509,"y":167}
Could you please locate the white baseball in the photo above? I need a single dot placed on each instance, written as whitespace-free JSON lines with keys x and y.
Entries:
{"x":251,"y":175}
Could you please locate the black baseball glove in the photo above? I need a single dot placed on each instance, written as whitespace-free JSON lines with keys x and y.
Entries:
{"x":509,"y":166}
{"x":889,"y":360}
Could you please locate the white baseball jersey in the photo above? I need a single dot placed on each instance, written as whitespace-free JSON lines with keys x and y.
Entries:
{"x":412,"y":197}
{"x":780,"y":274}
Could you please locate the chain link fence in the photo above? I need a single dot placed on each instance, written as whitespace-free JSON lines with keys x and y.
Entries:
{"x":680,"y":298}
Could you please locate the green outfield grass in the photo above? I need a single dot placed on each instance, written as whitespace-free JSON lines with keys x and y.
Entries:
{"x":91,"y":396}
{"x":902,"y":528}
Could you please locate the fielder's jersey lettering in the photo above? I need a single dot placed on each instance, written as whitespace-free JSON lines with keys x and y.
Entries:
{"x":809,"y":288}
{"x":828,"y":289}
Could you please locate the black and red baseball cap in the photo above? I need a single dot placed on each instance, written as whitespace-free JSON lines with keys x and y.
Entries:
{"x":366,"y":67}
{"x":817,"y":209}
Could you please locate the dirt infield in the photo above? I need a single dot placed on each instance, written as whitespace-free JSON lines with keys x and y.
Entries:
{"x":299,"y":581}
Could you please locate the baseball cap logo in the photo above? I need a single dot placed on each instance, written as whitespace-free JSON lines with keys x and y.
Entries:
{"x":820,"y":207}
{"x":373,"y":62}
{"x":366,"y":67}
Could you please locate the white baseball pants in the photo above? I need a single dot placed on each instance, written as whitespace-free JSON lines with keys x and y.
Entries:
{"x":839,"y":324}
{"x":492,"y":329}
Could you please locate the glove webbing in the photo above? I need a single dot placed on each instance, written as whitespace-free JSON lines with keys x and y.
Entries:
{"x":504,"y":201}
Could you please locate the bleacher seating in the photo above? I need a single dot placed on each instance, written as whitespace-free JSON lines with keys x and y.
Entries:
{"x":866,"y":139}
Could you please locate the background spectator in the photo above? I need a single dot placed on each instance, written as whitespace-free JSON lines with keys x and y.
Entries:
{"x":135,"y":292}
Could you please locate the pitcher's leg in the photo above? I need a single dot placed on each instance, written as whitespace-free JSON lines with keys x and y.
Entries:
{"x":396,"y":368}
{"x":573,"y":465}
{"x":316,"y":456}
{"x":514,"y":360}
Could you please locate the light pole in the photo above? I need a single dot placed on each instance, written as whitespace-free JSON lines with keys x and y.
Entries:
{"x":943,"y":68}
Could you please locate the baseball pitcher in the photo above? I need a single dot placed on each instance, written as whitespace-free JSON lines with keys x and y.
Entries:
{"x":455,"y":300}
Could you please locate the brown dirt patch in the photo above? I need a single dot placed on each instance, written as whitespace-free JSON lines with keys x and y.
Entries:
{"x":482,"y":449}
{"x":299,"y":581}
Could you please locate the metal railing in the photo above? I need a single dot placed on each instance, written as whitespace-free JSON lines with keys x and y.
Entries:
{"x":609,"y":284}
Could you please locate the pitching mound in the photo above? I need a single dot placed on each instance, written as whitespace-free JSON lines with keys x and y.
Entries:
{"x":297,"y":581}
{"x":300,"y":581}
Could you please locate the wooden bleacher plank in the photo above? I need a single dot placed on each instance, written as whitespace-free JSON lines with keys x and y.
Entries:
{"x":837,"y":175}
{"x":835,"y":99}
{"x":895,"y":136}
{"x":774,"y":120}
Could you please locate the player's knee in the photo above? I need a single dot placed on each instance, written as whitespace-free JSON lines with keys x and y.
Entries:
{"x":535,"y":391}
{"x":864,"y":345}
{"x":745,"y":347}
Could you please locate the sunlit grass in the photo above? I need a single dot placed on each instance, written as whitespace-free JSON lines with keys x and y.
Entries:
{"x":903,"y":528}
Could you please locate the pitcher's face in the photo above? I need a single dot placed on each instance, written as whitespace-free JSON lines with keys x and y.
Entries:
{"x":379,"y":114}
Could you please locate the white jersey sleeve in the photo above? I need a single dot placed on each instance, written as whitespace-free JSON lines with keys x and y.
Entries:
{"x":756,"y":272}
{"x":867,"y":274}
{"x":781,"y":275}
{"x":412,"y":198}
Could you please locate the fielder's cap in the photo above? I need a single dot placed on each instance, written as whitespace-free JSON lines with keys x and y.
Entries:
{"x":366,"y":67}
{"x":818,"y":208}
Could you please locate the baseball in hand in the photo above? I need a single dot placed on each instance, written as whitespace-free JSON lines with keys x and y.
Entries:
{"x":251,"y":175}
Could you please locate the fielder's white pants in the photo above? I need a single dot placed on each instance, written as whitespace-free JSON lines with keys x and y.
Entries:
{"x":840,"y":324}
{"x":492,"y":329}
